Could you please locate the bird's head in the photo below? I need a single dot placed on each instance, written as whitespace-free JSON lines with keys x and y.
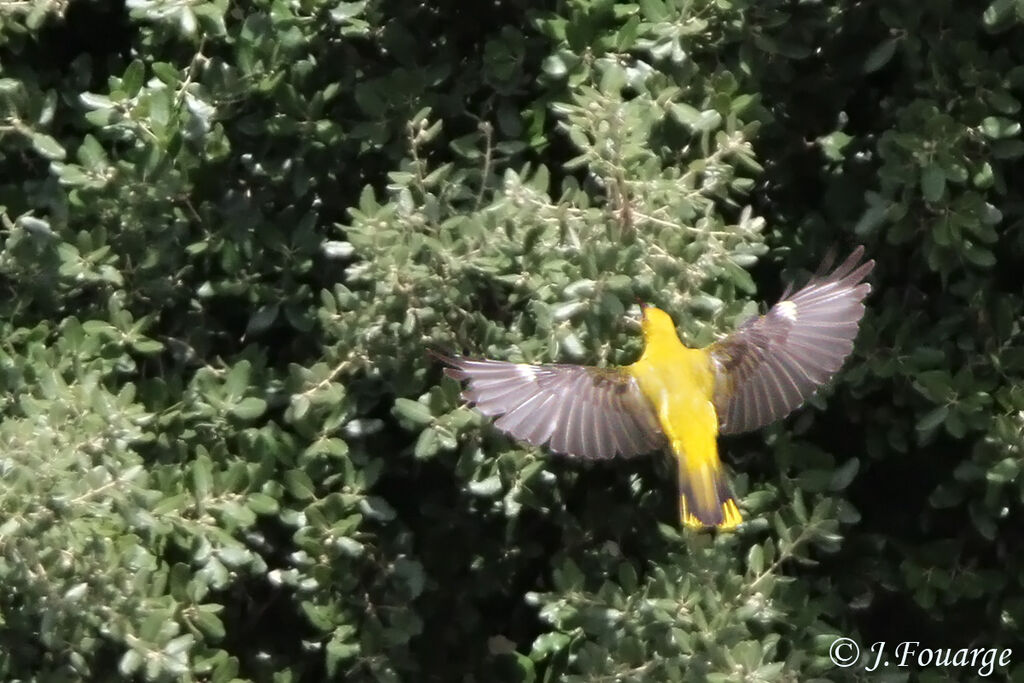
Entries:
{"x":655,"y":322}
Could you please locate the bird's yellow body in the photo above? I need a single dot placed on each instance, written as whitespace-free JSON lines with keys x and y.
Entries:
{"x":680,"y":384}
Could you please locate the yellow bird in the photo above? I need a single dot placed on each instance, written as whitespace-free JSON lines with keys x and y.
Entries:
{"x":680,"y":399}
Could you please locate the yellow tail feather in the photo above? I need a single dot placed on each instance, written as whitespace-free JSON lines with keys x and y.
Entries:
{"x":731,"y":517}
{"x":704,"y":497}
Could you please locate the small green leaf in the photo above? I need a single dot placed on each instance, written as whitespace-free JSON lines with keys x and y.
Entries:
{"x":130,"y":662}
{"x":338,"y":250}
{"x":299,"y":485}
{"x":47,"y":146}
{"x":997,"y":127}
{"x":933,"y":419}
{"x":983,"y":522}
{"x":979,"y":256}
{"x":705,"y":303}
{"x":36,"y":226}
{"x":548,"y":644}
{"x":946,"y":496}
{"x":235,"y":557}
{"x":210,"y":624}
{"x":554,"y":66}
{"x":933,"y":183}
{"x":880,"y":55}
{"x":427,"y":445}
{"x":237,"y":380}
{"x":249,"y":408}
{"x":844,"y":474}
{"x":1004,"y":471}
{"x":414,"y":411}
{"x":755,"y":559}
{"x":815,"y":480}
{"x":654,"y":10}
{"x":581,"y":289}
{"x":375,"y":507}
{"x":832,"y":145}
{"x":337,"y":653}
{"x":167,"y":73}
{"x":300,"y":405}
{"x":350,"y":546}
{"x":984,"y":178}
{"x":411,"y":573}
{"x":998,"y":15}
{"x":133,"y":78}
{"x":261,"y":320}
{"x":202,"y":477}
{"x":262,"y":504}
{"x":613,"y":79}
{"x":1004,"y":102}
{"x":707,"y":121}
{"x":147,"y":346}
{"x":343,"y":12}
{"x":685,"y":114}
{"x":486,"y":488}
{"x":569,"y":310}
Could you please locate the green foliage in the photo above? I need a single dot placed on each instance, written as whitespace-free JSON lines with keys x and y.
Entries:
{"x":232,"y":231}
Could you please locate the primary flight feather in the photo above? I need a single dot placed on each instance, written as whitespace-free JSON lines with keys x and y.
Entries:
{"x":680,"y":399}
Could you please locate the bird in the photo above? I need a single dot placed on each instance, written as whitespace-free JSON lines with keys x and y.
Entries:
{"x":679,"y":399}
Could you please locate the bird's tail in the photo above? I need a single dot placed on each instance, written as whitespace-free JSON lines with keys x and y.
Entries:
{"x":704,"y":496}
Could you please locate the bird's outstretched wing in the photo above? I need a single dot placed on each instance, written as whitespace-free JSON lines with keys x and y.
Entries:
{"x":581,"y":411}
{"x":773,"y":363}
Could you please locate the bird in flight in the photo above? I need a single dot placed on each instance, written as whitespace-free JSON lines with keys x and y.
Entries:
{"x":679,"y":399}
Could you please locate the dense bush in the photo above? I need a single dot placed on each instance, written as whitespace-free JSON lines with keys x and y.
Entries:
{"x":231,"y":230}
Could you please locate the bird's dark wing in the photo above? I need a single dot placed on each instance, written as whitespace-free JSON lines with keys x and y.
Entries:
{"x":773,"y":363}
{"x":581,"y":411}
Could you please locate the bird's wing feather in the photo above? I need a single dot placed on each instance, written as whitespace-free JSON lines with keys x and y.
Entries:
{"x":773,"y":363}
{"x":581,"y":411}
